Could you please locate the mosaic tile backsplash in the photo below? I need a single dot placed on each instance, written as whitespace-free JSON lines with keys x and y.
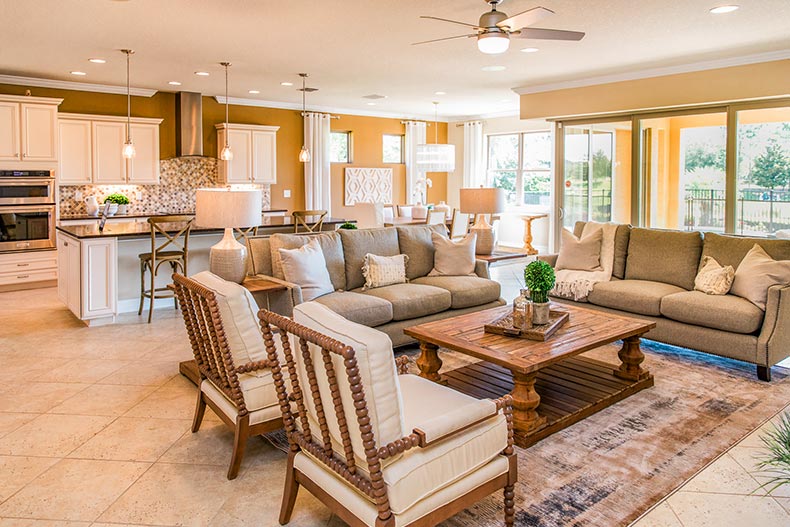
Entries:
{"x":175,"y":194}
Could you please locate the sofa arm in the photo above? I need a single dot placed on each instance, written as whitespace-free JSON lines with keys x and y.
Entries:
{"x":282,"y":302}
{"x":481,"y":269}
{"x":550,"y":259}
{"x":773,"y":344}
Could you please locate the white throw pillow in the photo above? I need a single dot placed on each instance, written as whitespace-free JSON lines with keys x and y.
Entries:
{"x":384,"y":270}
{"x":580,"y":254}
{"x":306,"y":267}
{"x":756,"y":273}
{"x":453,"y":258}
{"x":713,"y":279}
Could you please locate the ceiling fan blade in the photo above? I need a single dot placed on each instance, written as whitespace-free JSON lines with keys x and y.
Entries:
{"x":527,"y":18}
{"x":548,"y":34}
{"x":445,"y":38}
{"x":451,"y":21}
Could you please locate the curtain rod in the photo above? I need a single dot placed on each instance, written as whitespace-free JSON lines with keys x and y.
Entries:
{"x":427,"y":123}
{"x":329,"y":114}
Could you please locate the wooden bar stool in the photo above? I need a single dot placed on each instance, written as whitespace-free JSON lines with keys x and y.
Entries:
{"x":176,"y":257}
{"x":314,"y":224}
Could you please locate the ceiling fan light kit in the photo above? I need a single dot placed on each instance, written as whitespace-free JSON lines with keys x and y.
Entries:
{"x":493,"y":43}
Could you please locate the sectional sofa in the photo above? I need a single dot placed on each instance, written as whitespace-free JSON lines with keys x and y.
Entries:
{"x":391,"y":308}
{"x":653,"y":278}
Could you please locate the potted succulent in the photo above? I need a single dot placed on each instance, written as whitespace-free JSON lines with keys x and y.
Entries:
{"x":121,"y":202}
{"x":539,"y":279}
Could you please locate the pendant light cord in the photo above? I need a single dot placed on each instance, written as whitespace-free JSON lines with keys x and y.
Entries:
{"x":226,"y":64}
{"x":128,"y":97}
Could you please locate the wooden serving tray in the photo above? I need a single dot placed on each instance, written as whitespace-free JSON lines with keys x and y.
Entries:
{"x":504,"y":326}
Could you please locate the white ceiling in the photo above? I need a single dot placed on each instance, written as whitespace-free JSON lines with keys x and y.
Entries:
{"x":353,"y":48}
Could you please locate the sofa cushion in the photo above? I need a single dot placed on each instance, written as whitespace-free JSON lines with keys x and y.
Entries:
{"x":330,"y":246}
{"x":725,"y":312}
{"x":730,"y":250}
{"x":412,"y":300}
{"x":465,"y":291}
{"x":671,"y":257}
{"x":306,"y":267}
{"x":635,"y":296}
{"x":415,"y":242}
{"x":362,"y":309}
{"x":357,"y":243}
{"x":621,"y":239}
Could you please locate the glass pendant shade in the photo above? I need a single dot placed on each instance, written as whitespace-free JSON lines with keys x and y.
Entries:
{"x":493,"y":43}
{"x":128,"y":149}
{"x":226,"y":154}
{"x":304,"y":155}
{"x":435,"y":158}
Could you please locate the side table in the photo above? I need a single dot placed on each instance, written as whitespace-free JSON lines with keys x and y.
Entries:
{"x":528,"y":219}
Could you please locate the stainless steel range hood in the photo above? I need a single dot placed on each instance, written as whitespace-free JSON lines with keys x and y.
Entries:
{"x":189,"y":124}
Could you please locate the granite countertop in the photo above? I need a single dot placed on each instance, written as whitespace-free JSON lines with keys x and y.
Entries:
{"x":269,"y":224}
{"x":132,"y":216}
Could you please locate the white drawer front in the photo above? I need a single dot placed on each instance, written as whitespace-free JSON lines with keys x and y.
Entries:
{"x":28,"y":276}
{"x":31,"y":265}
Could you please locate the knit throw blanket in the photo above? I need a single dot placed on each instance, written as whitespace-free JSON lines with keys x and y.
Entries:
{"x":576,"y":285}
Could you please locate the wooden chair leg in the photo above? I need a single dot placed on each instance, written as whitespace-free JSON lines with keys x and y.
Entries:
{"x":200,"y":411}
{"x":153,"y":292}
{"x":510,"y":505}
{"x":290,"y":491}
{"x":142,"y":288}
{"x":239,"y":445}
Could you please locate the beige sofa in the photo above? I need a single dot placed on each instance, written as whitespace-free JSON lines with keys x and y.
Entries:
{"x":654,"y":273}
{"x":391,"y":308}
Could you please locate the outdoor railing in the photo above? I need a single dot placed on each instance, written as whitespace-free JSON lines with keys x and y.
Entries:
{"x":759,"y":211}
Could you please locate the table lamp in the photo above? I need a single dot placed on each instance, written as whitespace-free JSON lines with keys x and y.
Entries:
{"x":229,"y":209}
{"x":480,"y":202}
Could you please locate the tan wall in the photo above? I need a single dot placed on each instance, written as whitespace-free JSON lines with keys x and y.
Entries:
{"x":621,"y":200}
{"x":767,"y":79}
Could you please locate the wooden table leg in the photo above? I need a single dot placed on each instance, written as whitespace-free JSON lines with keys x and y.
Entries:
{"x":631,"y":357}
{"x":525,"y":402}
{"x":528,"y":236}
{"x":429,"y":362}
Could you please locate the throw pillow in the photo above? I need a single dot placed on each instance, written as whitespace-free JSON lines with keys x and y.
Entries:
{"x":713,"y":279}
{"x":384,"y":270}
{"x":756,"y":273}
{"x":453,"y":258}
{"x":306,"y":267}
{"x":580,"y":254}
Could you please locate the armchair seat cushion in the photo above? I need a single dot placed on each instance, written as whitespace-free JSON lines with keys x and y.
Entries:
{"x":260,"y":398}
{"x":465,"y":291}
{"x":642,"y":297}
{"x":412,"y":300}
{"x":725,"y":312}
{"x":367,"y":310}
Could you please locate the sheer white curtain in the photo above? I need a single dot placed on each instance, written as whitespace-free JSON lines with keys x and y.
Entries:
{"x":415,"y":135}
{"x":474,"y":155}
{"x":317,"y":193}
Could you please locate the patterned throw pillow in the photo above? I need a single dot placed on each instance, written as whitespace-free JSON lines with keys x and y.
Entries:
{"x":714,"y":279}
{"x":384,"y":270}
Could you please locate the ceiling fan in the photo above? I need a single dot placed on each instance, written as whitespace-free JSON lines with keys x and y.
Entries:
{"x":495,"y":28}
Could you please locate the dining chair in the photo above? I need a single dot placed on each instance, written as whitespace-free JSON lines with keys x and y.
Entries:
{"x":306,"y":220}
{"x":404,"y":211}
{"x":459,"y":225}
{"x":368,"y":215}
{"x":389,"y":212}
{"x":435,"y":217}
{"x":175,"y":229}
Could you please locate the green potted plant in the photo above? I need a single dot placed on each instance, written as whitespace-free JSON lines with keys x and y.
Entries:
{"x":119,"y":200}
{"x":539,"y":279}
{"x":348,"y":225}
{"x":776,"y":463}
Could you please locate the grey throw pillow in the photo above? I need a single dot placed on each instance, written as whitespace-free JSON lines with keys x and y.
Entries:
{"x":306,"y":267}
{"x":453,"y":258}
{"x":756,"y":273}
{"x":580,"y":254}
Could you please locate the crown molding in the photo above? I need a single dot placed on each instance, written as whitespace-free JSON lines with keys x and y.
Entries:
{"x":71,"y":85}
{"x":241,"y":101}
{"x":656,"y":72}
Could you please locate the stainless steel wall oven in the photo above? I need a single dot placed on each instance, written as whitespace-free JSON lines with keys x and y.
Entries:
{"x":27,"y":210}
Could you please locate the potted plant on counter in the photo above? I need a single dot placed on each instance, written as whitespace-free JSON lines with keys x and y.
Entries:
{"x":119,"y":200}
{"x":349,"y":226}
{"x":539,"y":279}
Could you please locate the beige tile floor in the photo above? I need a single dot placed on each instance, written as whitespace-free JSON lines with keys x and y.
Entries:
{"x":94,"y":430}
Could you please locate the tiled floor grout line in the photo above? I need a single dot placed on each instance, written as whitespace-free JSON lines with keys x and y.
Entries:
{"x":672,"y":510}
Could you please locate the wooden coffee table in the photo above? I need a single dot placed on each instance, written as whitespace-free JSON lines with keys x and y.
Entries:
{"x":551,"y":385}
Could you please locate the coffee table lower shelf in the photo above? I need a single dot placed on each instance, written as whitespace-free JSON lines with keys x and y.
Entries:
{"x":569,"y":391}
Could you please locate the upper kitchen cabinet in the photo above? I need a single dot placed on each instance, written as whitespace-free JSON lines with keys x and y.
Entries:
{"x":28,"y":129}
{"x":254,"y":153}
{"x":91,"y":146}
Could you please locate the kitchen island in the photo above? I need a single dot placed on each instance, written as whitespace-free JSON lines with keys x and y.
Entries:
{"x":99,"y":271}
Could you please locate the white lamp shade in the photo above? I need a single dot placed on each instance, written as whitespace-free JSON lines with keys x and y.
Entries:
{"x":493,"y":43}
{"x":435,"y":158}
{"x":228,"y":208}
{"x":483,"y":200}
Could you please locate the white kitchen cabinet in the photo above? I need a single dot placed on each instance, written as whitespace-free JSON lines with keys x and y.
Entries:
{"x":87,"y":280}
{"x":69,"y":273}
{"x":28,"y":129}
{"x":109,"y":165}
{"x":254,"y":153}
{"x":74,"y":157}
{"x":9,"y":132}
{"x":26,"y":270}
{"x":143,"y":168}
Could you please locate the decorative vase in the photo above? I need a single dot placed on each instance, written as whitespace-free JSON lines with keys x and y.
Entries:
{"x":419,"y":211}
{"x":522,"y":311}
{"x":122,"y":209}
{"x":540,"y":313}
{"x":112,"y":208}
{"x":92,"y":206}
{"x":444,"y":207}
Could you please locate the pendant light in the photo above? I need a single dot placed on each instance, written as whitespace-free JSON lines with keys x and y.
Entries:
{"x":304,"y":153}
{"x":128,"y":147}
{"x":435,"y":157}
{"x":227,"y":153}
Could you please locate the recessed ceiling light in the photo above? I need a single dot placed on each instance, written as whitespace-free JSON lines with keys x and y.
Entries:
{"x":286,"y":84}
{"x":174,"y":83}
{"x":724,"y":9}
{"x":202,"y":73}
{"x":97,"y":61}
{"x":254,"y":92}
{"x":371,"y":104}
{"x":81,"y":73}
{"x":493,"y":68}
{"x":530,"y":50}
{"x":440,"y":93}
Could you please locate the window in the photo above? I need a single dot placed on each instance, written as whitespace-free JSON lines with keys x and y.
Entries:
{"x":340,"y":147}
{"x":520,"y":163}
{"x":392,"y":146}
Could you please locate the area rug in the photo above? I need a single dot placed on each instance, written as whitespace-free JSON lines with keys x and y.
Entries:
{"x":611,"y":467}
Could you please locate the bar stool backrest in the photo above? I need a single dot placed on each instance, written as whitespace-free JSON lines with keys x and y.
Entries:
{"x":300,"y":220}
{"x":162,"y":224}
